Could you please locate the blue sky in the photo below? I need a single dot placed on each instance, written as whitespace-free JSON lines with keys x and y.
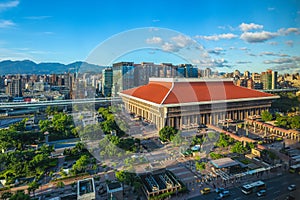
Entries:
{"x":247,"y":35}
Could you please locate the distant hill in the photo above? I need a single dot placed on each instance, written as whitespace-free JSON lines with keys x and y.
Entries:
{"x":30,"y":67}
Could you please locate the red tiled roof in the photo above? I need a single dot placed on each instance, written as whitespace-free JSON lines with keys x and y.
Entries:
{"x":154,"y":91}
{"x":188,"y":92}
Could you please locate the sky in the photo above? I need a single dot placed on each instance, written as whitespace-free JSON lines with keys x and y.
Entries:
{"x":253,"y":35}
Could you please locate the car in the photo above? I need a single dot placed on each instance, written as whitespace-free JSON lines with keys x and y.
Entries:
{"x":218,"y":197}
{"x":225,"y":193}
{"x":261,"y":193}
{"x":292,"y":187}
{"x":205,"y":191}
{"x":219,"y":190}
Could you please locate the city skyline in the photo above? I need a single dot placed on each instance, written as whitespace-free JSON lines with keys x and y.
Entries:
{"x":246,"y":35}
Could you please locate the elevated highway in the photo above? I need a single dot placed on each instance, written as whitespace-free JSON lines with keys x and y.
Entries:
{"x":68,"y":102}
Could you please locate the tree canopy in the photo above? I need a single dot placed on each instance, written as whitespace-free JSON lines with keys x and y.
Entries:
{"x":266,"y":116}
{"x":288,"y":122}
{"x":60,"y":126}
{"x":167,"y":133}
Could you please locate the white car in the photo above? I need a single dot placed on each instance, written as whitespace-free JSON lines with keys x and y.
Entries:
{"x":292,"y":187}
{"x":261,"y":193}
{"x":225,"y":193}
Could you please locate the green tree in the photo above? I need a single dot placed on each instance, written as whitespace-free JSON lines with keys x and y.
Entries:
{"x":266,"y":116}
{"x":200,"y":166}
{"x":60,"y":184}
{"x":6,"y":195}
{"x":167,"y":133}
{"x":178,"y":140}
{"x":125,"y":177}
{"x":214,"y":155}
{"x":295,"y":122}
{"x":223,"y":141}
{"x":19,"y":126}
{"x":32,"y":187}
{"x":20,"y":195}
{"x":196,"y":140}
{"x":238,"y":148}
{"x":81,"y":164}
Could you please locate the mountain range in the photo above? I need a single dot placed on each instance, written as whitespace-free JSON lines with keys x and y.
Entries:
{"x":30,"y":67}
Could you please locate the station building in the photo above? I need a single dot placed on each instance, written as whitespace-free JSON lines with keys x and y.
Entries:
{"x":187,"y":103}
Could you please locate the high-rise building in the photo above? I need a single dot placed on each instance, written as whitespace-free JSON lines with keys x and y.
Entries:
{"x":207,"y":72}
{"x":123,"y":77}
{"x":256,"y":77}
{"x":247,"y":74}
{"x":107,"y":81}
{"x":237,"y":73}
{"x":274,"y":80}
{"x":14,"y":88}
{"x":187,"y":70}
{"x":2,"y":84}
{"x":250,"y":83}
{"x":269,"y":79}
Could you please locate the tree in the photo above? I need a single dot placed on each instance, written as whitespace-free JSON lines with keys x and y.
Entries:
{"x":238,"y":148}
{"x":196,"y":140}
{"x":125,"y":177}
{"x":81,"y":164}
{"x":266,"y":116}
{"x":33,"y":186}
{"x":200,"y":166}
{"x":223,"y":141}
{"x":214,"y":155}
{"x":20,"y":195}
{"x":167,"y":133}
{"x":178,"y":139}
{"x":121,"y":176}
{"x":60,"y":184}
{"x":6,"y":195}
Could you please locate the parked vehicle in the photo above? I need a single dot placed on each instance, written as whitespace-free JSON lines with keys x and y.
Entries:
{"x":261,"y":193}
{"x":205,"y":191}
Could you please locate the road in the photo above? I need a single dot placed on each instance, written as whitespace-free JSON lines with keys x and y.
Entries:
{"x":276,"y":190}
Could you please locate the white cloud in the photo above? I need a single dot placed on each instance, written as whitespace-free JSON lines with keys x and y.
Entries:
{"x":216,"y":51}
{"x":6,"y":23}
{"x":287,"y":31}
{"x":9,"y":4}
{"x":246,"y":27}
{"x":280,"y":61}
{"x":214,"y":63}
{"x":154,"y":40}
{"x":257,"y":37}
{"x":218,"y":37}
{"x":169,"y":47}
{"x":268,"y":53}
{"x":244,"y":49}
{"x":182,"y":41}
{"x":290,"y":67}
{"x":271,"y":9}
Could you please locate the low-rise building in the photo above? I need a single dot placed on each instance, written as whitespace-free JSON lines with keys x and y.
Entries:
{"x":114,"y":191}
{"x":86,"y":189}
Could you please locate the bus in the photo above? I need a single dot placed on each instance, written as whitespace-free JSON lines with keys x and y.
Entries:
{"x":253,"y":187}
{"x":295,"y":168}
